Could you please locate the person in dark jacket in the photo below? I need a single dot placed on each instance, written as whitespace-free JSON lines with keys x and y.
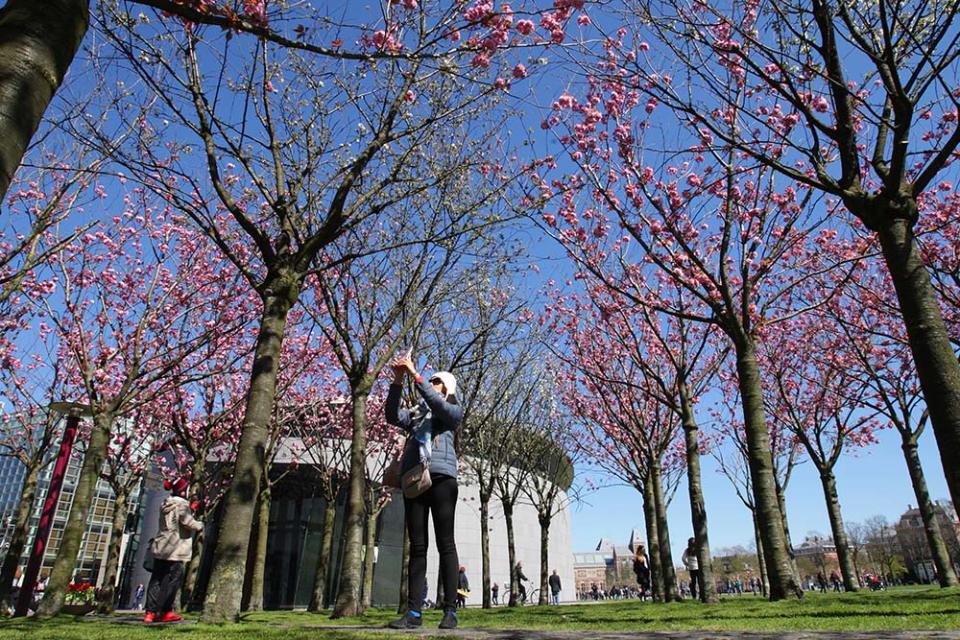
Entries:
{"x":171,"y":547}
{"x":518,"y":579}
{"x":641,"y":569}
{"x":463,"y":588}
{"x":554,"y":582}
{"x":431,"y":426}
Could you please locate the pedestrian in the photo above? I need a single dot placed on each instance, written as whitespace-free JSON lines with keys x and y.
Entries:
{"x":641,"y":569}
{"x":431,"y":426}
{"x":463,"y":588}
{"x":835,"y":580}
{"x":554,"y":582}
{"x":692,"y":564}
{"x":171,"y":547}
{"x":518,"y":579}
{"x":821,"y":581}
{"x":138,"y":597}
{"x":495,"y":593}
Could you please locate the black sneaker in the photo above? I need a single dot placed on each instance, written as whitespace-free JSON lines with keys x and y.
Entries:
{"x":407,"y":622}
{"x":449,"y":620}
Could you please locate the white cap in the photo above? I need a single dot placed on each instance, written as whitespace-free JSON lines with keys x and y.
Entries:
{"x":448,"y":380}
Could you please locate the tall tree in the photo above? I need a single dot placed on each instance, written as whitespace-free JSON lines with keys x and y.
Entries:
{"x":851,"y":101}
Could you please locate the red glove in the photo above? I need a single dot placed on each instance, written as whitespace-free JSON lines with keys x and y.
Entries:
{"x":194,"y":505}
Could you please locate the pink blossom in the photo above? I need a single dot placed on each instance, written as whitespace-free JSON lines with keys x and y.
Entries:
{"x":519,"y":71}
{"x":525,"y":27}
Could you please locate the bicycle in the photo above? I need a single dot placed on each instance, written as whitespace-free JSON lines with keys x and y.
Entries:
{"x":533,"y":597}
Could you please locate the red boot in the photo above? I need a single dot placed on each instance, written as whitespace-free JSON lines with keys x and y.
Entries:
{"x":169,"y":616}
{"x":150,"y":617}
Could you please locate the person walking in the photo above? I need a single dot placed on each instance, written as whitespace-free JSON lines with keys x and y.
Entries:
{"x":554,"y":582}
{"x":138,"y":597}
{"x":431,"y":426}
{"x":172,"y":547}
{"x":821,"y":582}
{"x":641,"y":569}
{"x":835,"y":580}
{"x":692,"y":564}
{"x":495,"y":593}
{"x":463,"y":588}
{"x":518,"y":579}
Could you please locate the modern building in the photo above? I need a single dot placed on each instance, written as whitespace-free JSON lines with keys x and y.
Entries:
{"x":912,"y":539}
{"x":91,"y":562}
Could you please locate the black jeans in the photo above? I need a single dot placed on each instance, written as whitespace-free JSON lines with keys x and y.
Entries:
{"x":441,"y":499}
{"x":695,"y":583}
{"x":164,"y":585}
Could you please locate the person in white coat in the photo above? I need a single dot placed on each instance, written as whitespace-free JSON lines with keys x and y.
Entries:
{"x":171,"y":547}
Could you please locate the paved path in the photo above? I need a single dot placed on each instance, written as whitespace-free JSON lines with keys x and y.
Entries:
{"x":466,"y":633}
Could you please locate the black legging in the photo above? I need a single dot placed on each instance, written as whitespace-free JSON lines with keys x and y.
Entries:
{"x":441,"y":499}
{"x":164,"y":584}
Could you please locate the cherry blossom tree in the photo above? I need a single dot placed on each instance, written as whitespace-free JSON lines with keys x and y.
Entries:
{"x":128,"y":312}
{"x":855,"y":101}
{"x":816,"y":394}
{"x":866,"y":318}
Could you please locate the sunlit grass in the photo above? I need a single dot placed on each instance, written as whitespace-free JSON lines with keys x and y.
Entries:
{"x":914,"y":608}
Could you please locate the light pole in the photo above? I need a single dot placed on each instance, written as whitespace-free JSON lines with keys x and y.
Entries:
{"x":73,"y":411}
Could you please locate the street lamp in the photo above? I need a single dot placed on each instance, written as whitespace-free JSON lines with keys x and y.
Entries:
{"x":73,"y":411}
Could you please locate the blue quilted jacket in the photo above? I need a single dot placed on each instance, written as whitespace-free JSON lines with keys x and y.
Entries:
{"x":445,"y":418}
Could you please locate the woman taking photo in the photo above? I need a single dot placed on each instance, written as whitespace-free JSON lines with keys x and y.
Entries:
{"x":430,"y":427}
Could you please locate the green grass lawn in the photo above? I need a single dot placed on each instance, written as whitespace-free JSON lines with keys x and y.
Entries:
{"x":908,"y":608}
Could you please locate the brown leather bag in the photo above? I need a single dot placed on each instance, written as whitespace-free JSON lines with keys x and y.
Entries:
{"x":416,"y":481}
{"x":391,"y":473}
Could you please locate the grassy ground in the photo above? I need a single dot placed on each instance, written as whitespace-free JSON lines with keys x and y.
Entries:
{"x":917,"y":608}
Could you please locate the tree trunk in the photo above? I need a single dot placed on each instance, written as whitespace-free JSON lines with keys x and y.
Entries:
{"x":319,"y":596}
{"x":38,"y":41}
{"x":936,"y":362}
{"x":21,"y":529}
{"x":66,"y":562}
{"x":847,"y":570}
{"x":653,"y":541}
{"x":544,"y":557}
{"x":668,"y":573}
{"x":260,"y":551}
{"x":225,"y":589}
{"x":191,"y":569}
{"x":782,"y":501}
{"x":404,"y":574}
{"x":485,"y":548}
{"x":108,"y":597}
{"x":511,"y":552}
{"x":368,"y":559}
{"x":348,"y":602}
{"x":761,"y":560}
{"x":769,"y":517}
{"x":698,"y":510}
{"x":946,"y":575}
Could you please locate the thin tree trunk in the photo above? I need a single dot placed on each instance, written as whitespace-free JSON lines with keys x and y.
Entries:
{"x":404,"y":574}
{"x":319,"y":596}
{"x":225,"y":588}
{"x":936,"y":362}
{"x":698,"y":510}
{"x":66,"y":562}
{"x":260,"y":551}
{"x":782,"y":501}
{"x":544,"y":557}
{"x":761,"y":562}
{"x":769,"y":517}
{"x":108,"y":598}
{"x":946,"y":575}
{"x":511,"y":553}
{"x":348,"y":602}
{"x":847,"y":570}
{"x":368,"y":559}
{"x":192,"y":568}
{"x":653,"y":541}
{"x":18,"y":539}
{"x":38,"y":41}
{"x":670,"y":592}
{"x":485,"y":548}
